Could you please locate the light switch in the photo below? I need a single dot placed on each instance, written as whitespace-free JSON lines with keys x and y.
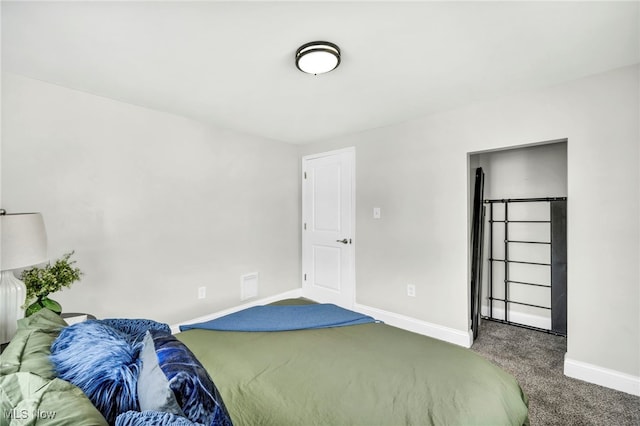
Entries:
{"x":376,"y":212}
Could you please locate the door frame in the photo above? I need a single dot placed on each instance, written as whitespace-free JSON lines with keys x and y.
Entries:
{"x":351,"y":299}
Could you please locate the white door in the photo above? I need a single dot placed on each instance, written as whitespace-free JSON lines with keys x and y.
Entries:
{"x":328,"y":217}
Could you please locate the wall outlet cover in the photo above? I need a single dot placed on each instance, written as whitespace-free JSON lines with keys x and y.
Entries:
{"x":411,"y":290}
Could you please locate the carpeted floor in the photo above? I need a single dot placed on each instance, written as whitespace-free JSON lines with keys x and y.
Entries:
{"x":536,"y":360}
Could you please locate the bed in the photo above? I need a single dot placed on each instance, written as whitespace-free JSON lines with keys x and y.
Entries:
{"x":364,"y":374}
{"x":331,"y":367}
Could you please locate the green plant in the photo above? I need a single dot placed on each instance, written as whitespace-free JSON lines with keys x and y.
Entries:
{"x":50,"y":278}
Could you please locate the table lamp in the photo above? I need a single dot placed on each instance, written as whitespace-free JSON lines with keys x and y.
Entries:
{"x":23,"y":243}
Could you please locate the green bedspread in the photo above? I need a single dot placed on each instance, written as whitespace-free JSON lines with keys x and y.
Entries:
{"x":368,"y":374}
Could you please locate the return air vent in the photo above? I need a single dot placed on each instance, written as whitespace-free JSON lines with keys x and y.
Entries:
{"x":248,"y":286}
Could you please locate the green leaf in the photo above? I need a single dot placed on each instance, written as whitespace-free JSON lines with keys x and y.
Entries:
{"x":51,"y":278}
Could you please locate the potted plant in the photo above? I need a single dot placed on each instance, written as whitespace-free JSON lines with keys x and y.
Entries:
{"x":40,"y":282}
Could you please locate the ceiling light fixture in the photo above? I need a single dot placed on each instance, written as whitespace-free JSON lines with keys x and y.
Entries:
{"x":317,"y":57}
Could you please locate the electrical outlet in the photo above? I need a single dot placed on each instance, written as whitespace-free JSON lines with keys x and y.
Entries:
{"x":202,"y":292}
{"x":411,"y":290}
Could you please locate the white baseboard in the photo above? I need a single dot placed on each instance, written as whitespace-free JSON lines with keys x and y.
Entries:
{"x":576,"y":369}
{"x":520,"y":318}
{"x":401,"y":321}
{"x":602,"y":376}
{"x":292,"y":294}
{"x":436,"y":331}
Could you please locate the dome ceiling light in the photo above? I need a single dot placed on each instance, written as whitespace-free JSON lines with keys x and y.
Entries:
{"x":317,"y":57}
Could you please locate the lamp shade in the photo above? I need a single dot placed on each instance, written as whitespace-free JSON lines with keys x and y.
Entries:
{"x":23,"y":240}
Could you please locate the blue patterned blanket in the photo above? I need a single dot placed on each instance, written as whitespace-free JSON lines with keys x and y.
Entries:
{"x":284,"y":318}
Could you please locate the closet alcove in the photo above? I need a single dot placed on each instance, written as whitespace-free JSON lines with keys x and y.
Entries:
{"x":523,"y":256}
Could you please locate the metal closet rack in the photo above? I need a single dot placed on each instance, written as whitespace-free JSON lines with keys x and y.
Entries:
{"x":557,"y":242}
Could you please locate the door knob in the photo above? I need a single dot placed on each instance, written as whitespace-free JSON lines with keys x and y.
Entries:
{"x":343,"y":241}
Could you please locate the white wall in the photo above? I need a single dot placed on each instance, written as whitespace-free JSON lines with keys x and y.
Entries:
{"x":155,"y":205}
{"x":417,"y":172}
{"x":526,"y":172}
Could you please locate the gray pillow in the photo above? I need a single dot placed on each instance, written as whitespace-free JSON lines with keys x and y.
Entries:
{"x":154,"y":391}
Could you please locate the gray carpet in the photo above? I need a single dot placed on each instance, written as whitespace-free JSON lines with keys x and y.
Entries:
{"x":536,"y":360}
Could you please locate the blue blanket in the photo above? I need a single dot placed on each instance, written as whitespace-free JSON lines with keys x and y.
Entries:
{"x":284,"y":318}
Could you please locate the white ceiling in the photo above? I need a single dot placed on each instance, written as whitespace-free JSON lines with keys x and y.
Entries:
{"x":231,"y":63}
